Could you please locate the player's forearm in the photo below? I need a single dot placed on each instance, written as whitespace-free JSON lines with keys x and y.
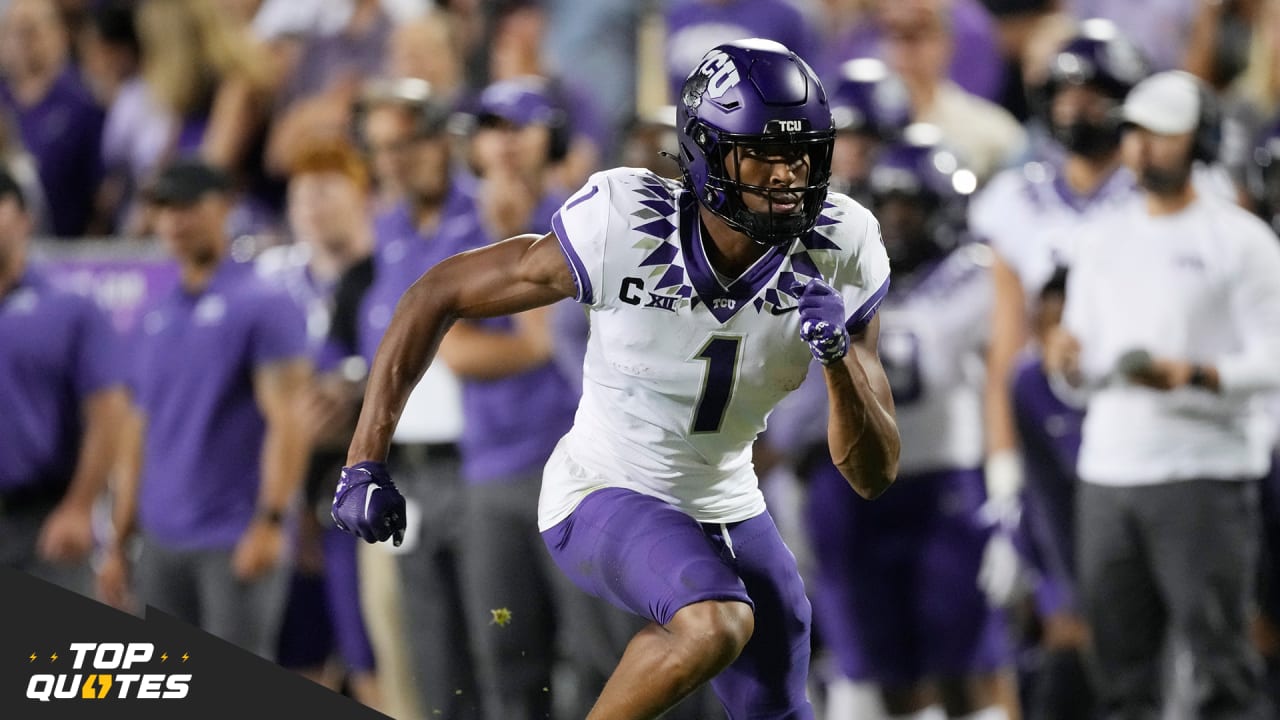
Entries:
{"x":105,"y":411}
{"x":412,"y":340}
{"x":998,"y":417}
{"x":1008,"y":336}
{"x":508,"y":277}
{"x":862,"y":433}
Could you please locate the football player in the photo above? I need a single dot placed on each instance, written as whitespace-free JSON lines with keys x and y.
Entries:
{"x":896,"y":594}
{"x":708,"y":298}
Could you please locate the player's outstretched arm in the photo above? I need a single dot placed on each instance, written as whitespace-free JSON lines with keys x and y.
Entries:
{"x":862,"y":431}
{"x":517,"y":274}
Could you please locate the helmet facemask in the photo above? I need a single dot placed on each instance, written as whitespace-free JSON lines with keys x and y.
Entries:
{"x":1091,"y":135}
{"x":774,"y":214}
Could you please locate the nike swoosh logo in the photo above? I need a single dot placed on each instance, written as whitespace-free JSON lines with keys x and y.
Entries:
{"x":781,"y":311}
{"x":368,"y":495}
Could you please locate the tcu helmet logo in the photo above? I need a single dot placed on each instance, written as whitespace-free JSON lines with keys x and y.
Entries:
{"x":720,"y":72}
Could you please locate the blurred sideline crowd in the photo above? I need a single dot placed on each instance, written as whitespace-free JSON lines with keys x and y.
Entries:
{"x":209,"y":209}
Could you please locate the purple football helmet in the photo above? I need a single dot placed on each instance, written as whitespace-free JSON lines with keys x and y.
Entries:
{"x":870,"y":99}
{"x":1098,"y":57}
{"x":919,"y":192}
{"x":755,"y":95}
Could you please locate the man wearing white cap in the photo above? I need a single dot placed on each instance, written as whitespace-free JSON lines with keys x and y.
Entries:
{"x":1171,"y":330}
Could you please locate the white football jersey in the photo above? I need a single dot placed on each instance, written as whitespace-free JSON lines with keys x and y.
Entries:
{"x":933,"y":334}
{"x":1031,"y":218}
{"x":681,"y":370}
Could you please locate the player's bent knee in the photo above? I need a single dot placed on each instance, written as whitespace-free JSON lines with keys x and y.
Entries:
{"x":716,"y":627}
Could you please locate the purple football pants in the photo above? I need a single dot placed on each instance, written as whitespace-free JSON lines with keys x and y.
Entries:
{"x":645,"y":556}
{"x":324,"y":611}
{"x":896,"y":596}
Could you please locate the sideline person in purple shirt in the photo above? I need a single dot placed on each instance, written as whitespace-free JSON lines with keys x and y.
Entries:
{"x":401,"y":123}
{"x":505,"y":363}
{"x":64,"y":395}
{"x":219,"y":368}
{"x":324,"y":636}
{"x":59,"y":120}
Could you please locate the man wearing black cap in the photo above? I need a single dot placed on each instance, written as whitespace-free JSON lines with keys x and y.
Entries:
{"x":63,"y":387}
{"x":219,"y":367}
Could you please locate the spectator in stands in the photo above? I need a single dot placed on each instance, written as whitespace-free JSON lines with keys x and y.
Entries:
{"x":608,"y":71}
{"x":216,"y":451}
{"x":1160,"y":28}
{"x":15,"y":160}
{"x":135,"y":128}
{"x":1017,"y":23}
{"x":213,"y":83}
{"x":695,"y":26}
{"x":1235,"y":47}
{"x":978,"y":69}
{"x":63,"y":381}
{"x":322,"y":76}
{"x":516,"y":51}
{"x":324,"y":636}
{"x":427,"y":48}
{"x":59,"y":121}
{"x":432,"y":214}
{"x":919,"y":45}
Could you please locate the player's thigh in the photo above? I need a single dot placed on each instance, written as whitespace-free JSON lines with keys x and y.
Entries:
{"x":306,"y":634}
{"x":961,"y":634}
{"x":342,"y":589}
{"x":863,"y":591}
{"x":642,"y":555}
{"x":769,"y":678}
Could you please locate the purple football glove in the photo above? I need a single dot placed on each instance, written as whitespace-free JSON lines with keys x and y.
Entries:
{"x":367,"y":504}
{"x":822,"y":321}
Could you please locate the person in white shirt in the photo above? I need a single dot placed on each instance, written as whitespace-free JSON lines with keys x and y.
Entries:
{"x":1171,"y":331}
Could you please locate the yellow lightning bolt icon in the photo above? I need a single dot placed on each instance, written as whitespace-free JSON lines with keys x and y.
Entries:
{"x":53,"y":657}
{"x":164,"y":656}
{"x":184,"y":657}
{"x":33,"y":657}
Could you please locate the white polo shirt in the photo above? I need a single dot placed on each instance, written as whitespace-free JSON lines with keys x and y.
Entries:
{"x":1201,"y":285}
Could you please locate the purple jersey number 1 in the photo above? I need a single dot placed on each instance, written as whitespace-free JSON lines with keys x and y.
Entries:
{"x":721,"y":356}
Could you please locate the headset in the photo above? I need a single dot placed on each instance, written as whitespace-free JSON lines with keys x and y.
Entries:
{"x":561,"y":136}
